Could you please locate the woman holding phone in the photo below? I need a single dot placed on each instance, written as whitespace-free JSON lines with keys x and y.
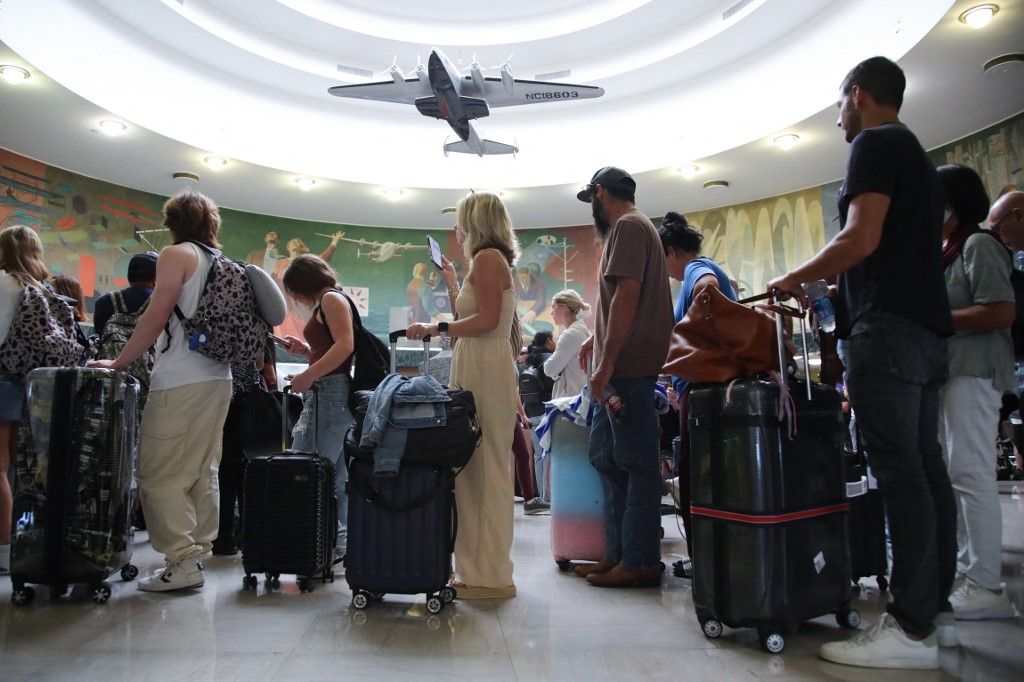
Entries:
{"x":328,"y":345}
{"x":482,"y":363}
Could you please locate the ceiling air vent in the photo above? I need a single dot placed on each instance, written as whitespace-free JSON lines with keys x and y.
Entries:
{"x":353,"y":71}
{"x":738,"y":7}
{"x":1005,"y":64}
{"x":185,"y":175}
{"x":554,"y":75}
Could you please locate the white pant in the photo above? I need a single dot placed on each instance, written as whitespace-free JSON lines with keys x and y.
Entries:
{"x":967,"y":431}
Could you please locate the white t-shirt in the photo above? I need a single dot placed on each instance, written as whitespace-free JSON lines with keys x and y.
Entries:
{"x":10,"y":297}
{"x":179,"y":366}
{"x":563,"y":365}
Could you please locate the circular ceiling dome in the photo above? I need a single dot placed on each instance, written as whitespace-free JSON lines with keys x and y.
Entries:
{"x":248,"y":79}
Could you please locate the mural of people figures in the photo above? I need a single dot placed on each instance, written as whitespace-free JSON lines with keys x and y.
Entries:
{"x":267,"y":258}
{"x":294,"y":322}
{"x":414,"y":293}
{"x":532,"y":295}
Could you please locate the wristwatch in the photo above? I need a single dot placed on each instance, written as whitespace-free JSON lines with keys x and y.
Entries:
{"x":442,"y":329}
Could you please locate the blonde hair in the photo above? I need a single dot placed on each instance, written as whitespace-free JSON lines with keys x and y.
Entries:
{"x":571,"y":299}
{"x":296,"y":244}
{"x":487,"y":225}
{"x":21,"y":255}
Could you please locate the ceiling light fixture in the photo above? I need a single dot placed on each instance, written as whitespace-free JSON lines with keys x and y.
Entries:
{"x":716,"y":184}
{"x":112,"y":127}
{"x":392,"y":193}
{"x":14,"y":74}
{"x":185,"y":175}
{"x":979,"y":15}
{"x":215,"y":162}
{"x":305,"y":184}
{"x":689,"y":171}
{"x":448,"y":209}
{"x":786,"y":142}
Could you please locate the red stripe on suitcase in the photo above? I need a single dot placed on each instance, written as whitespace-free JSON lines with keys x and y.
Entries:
{"x":762,"y":519}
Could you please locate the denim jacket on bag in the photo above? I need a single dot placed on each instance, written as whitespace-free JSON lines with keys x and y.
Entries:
{"x":397,"y":404}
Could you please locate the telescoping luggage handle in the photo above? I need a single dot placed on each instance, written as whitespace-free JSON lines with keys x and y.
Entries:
{"x":799,"y":313}
{"x":284,"y":417}
{"x":393,"y":340}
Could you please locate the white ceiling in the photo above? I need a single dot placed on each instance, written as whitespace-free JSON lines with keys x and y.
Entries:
{"x":247,"y":79}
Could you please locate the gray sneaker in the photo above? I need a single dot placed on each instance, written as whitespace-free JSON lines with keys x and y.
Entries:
{"x":536,"y":506}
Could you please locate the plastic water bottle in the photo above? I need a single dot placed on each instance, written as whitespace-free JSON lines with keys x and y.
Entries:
{"x":821,"y":305}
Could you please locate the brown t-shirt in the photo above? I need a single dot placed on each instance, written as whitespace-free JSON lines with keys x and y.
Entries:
{"x":633,"y":250}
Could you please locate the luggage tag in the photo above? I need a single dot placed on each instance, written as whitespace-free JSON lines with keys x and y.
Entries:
{"x":200,"y":338}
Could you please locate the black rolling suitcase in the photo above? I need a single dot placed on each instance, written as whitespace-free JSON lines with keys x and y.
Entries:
{"x":289,"y":516}
{"x":868,"y":552}
{"x":72,"y":482}
{"x":770,"y":543}
{"x":401,"y":529}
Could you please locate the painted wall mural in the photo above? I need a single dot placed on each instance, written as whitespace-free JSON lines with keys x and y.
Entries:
{"x":92,"y":228}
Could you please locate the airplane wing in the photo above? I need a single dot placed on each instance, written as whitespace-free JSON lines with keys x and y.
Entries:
{"x":406,"y":92}
{"x":528,"y":92}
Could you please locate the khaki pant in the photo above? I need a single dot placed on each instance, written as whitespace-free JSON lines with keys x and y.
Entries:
{"x":179,"y":454}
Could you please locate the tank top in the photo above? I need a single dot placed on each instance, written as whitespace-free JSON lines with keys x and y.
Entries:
{"x":179,"y":366}
{"x":319,"y":338}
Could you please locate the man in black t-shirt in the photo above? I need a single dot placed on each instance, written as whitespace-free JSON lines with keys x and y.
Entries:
{"x":893,"y":312}
{"x":141,"y":279}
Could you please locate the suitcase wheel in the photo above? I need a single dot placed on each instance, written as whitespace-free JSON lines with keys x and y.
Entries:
{"x":100,"y":593}
{"x":129,"y":572}
{"x":883,"y":583}
{"x":249,"y":583}
{"x":712,"y":628}
{"x":305,"y":585}
{"x":22,"y":596}
{"x":360,"y":600}
{"x":273,"y":581}
{"x":434,"y":605}
{"x":564,"y":565}
{"x":448,"y":594}
{"x":848,"y":618}
{"x":327,"y":577}
{"x":772,"y":642}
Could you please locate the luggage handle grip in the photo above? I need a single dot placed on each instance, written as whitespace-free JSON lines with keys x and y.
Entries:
{"x":800,"y":314}
{"x":393,"y":340}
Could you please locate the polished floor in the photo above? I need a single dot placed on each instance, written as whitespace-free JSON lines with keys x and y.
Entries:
{"x":558,"y":628}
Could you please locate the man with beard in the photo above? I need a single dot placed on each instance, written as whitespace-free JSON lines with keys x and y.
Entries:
{"x":629,"y":345}
{"x":893,"y":311}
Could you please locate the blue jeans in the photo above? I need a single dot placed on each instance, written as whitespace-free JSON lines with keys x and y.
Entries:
{"x":625,"y":454}
{"x":331,"y":420}
{"x":894,"y":374}
{"x":541,"y":466}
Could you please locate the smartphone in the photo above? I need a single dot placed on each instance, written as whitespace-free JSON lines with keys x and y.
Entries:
{"x":281,"y":342}
{"x":435,"y":252}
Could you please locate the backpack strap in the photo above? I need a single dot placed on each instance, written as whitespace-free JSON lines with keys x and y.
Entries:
{"x":209,"y":278}
{"x":117,"y":298}
{"x":357,"y":322}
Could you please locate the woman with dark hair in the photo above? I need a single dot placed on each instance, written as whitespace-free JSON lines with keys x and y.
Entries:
{"x":482,"y":362}
{"x":189,"y":393}
{"x":685,"y":264}
{"x":68,"y":286}
{"x":329,"y":342}
{"x":981,"y":369}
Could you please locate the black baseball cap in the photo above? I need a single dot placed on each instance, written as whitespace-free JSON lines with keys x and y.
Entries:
{"x":611,"y":177}
{"x":142,"y":267}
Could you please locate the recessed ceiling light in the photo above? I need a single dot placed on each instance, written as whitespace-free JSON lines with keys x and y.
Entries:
{"x":215,"y":162}
{"x":716,"y":184}
{"x":305,"y":184}
{"x":186,"y":175}
{"x":979,"y":15}
{"x":786,"y":142}
{"x":112,"y":127}
{"x":14,"y":74}
{"x":392,"y":193}
{"x":689,"y":171}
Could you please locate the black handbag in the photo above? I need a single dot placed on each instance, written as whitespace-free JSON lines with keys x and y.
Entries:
{"x":449,"y":446}
{"x":258,"y":426}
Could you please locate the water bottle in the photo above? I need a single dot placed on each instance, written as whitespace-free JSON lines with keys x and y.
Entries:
{"x":817,"y":292}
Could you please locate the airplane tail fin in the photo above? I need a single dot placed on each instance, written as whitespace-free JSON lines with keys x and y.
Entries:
{"x":488,"y":148}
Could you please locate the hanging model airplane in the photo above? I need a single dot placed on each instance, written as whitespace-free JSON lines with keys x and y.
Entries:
{"x":379,"y":251}
{"x":439,"y":91}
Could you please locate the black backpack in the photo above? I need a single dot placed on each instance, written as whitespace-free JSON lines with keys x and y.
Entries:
{"x":371,"y":357}
{"x":534,"y":389}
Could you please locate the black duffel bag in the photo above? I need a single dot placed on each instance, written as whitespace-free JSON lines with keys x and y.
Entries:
{"x":255,"y":418}
{"x":448,"y":446}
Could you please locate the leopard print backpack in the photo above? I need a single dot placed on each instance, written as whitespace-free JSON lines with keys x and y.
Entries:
{"x":42,"y":334}
{"x":227,"y":326}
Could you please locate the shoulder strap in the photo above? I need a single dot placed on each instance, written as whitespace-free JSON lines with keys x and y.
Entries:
{"x":117,"y":298}
{"x":357,"y":323}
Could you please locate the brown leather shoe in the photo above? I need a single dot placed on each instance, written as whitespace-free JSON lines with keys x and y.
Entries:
{"x":602,"y":566}
{"x":622,"y":576}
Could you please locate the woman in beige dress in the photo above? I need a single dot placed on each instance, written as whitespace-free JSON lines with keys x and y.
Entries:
{"x":482,"y":363}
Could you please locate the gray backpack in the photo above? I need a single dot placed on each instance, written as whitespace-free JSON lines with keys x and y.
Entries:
{"x":42,"y":334}
{"x":118,"y":330}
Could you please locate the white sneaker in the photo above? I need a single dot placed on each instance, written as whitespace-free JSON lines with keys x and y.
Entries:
{"x":884,"y":645}
{"x":945,"y":629}
{"x":186,"y":574}
{"x":971,"y":601}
